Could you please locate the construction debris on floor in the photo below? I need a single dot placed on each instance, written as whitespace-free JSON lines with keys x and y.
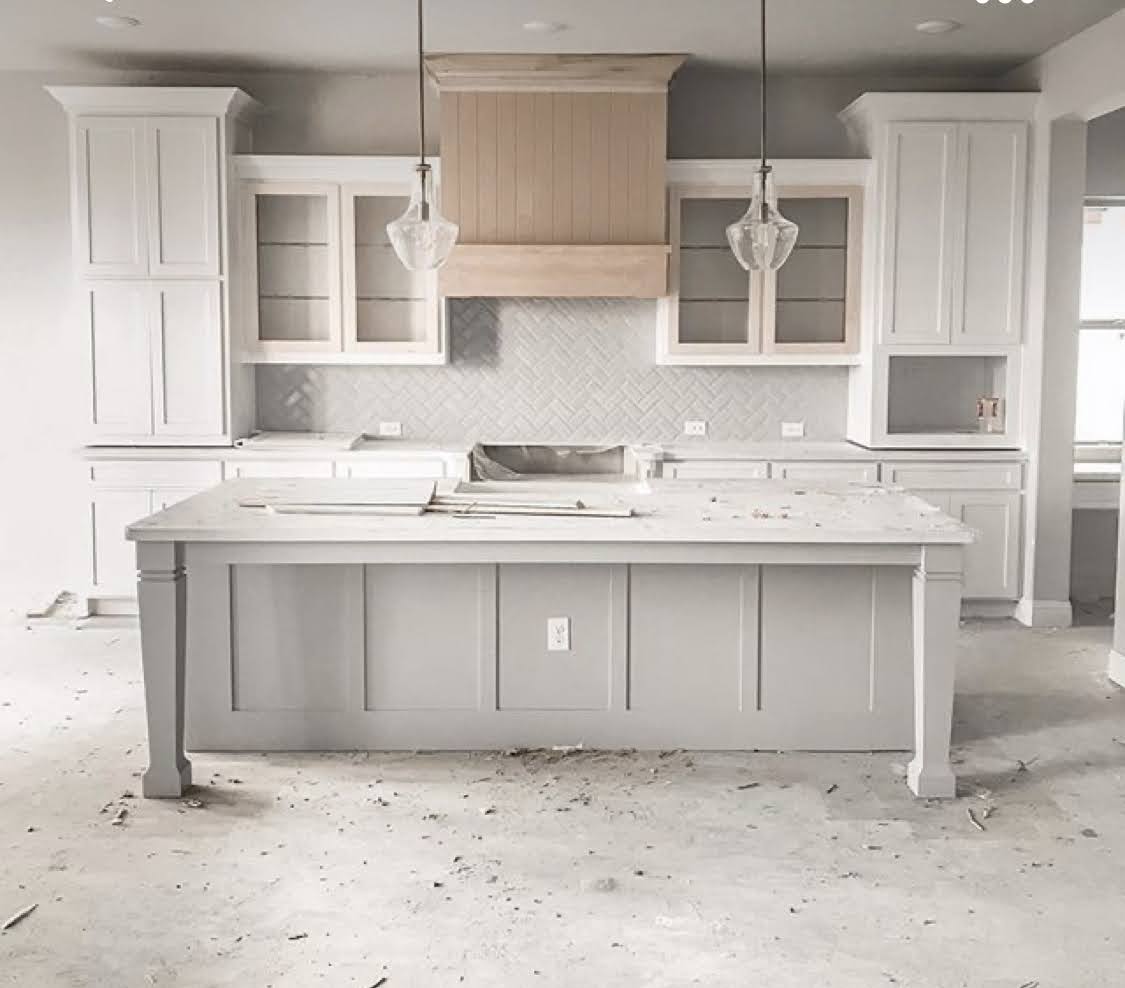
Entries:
{"x":565,"y":867}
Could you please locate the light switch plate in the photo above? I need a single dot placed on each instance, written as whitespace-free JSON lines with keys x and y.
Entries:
{"x":390,"y":430}
{"x":558,"y":634}
{"x":792,"y":430}
{"x":695,"y":427}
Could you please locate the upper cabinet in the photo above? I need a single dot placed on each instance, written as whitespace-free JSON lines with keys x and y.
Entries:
{"x":948,"y":237}
{"x":320,"y":281}
{"x":808,"y":312}
{"x":150,"y":219}
{"x":952,"y":202}
{"x":146,"y":198}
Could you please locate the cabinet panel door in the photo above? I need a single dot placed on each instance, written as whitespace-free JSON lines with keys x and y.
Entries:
{"x":846,"y":473}
{"x":992,"y":562}
{"x":120,"y":359}
{"x":113,"y":559}
{"x":988,"y":290}
{"x":183,"y":202}
{"x":918,"y":233}
{"x":279,"y":469}
{"x":110,"y":193}
{"x":385,"y":466}
{"x":188,"y":364}
{"x":717,"y":470}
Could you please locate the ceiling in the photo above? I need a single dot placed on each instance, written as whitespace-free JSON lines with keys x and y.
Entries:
{"x":835,"y":36}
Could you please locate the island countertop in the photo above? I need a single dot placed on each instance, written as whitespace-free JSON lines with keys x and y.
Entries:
{"x":666,"y":512}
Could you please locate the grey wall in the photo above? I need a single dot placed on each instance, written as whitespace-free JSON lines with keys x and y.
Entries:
{"x":1105,"y":155}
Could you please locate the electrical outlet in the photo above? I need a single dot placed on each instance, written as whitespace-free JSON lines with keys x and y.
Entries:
{"x":695,"y":427}
{"x":558,"y":634}
{"x":390,"y":430}
{"x":792,"y":430}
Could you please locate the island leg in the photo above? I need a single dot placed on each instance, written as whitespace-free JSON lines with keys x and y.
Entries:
{"x":937,"y":616}
{"x":162,"y":597}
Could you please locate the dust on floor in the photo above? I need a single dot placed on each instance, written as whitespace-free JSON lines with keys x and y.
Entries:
{"x":553,"y":869}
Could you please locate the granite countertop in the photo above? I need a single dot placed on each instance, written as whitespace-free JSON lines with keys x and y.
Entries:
{"x":667,"y":512}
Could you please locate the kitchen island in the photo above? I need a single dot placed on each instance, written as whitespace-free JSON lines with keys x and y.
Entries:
{"x":720,"y":615}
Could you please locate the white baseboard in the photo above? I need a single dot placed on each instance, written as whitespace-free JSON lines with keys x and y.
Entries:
{"x":989,"y":609}
{"x":1116,"y":668}
{"x":1044,"y":613}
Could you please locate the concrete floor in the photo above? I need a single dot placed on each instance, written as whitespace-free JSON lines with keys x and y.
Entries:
{"x":588,"y":869}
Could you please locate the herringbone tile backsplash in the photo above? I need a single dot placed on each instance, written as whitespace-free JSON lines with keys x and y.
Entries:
{"x":553,"y":370}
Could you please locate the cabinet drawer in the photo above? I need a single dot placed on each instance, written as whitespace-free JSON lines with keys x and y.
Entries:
{"x":810,"y":470}
{"x":954,"y":476}
{"x":281,"y":469}
{"x":387,"y":466}
{"x":197,"y":474}
{"x":717,"y":470}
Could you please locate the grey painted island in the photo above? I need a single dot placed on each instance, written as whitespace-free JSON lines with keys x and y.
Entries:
{"x":756,"y":615}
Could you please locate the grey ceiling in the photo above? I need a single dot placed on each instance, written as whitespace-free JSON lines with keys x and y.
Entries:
{"x":377,"y":35}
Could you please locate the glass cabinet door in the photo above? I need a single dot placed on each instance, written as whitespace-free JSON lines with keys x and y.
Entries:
{"x":716,"y":308}
{"x":811,"y":303}
{"x":293,"y":269}
{"x":387,"y":308}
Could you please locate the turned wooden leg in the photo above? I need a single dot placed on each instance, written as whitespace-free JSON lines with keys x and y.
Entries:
{"x":162,"y":597}
{"x":937,"y":615}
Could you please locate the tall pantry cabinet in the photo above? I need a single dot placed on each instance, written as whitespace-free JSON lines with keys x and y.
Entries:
{"x":151,"y":222}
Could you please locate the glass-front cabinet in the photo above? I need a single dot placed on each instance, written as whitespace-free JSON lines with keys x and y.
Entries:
{"x":807,"y":312}
{"x":321,"y":282}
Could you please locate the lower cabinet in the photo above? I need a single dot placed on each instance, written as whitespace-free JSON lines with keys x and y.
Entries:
{"x":717,"y":470}
{"x":992,"y":562}
{"x":813,"y":471}
{"x":124,"y":491}
{"x":280,"y":469}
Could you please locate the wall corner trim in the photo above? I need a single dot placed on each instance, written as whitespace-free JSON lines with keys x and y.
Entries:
{"x":1116,"y":668}
{"x":1044,"y":613}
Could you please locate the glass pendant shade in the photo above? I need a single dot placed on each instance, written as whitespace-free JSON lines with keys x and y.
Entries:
{"x":422,"y":237}
{"x":762,"y":239}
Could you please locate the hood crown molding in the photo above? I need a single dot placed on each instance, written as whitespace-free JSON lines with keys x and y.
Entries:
{"x":553,"y":73}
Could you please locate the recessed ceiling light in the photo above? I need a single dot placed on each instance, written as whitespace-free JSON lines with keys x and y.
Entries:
{"x":940,"y":26}
{"x":117,"y":23}
{"x":544,"y":27}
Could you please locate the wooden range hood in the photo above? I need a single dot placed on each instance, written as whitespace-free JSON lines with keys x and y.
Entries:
{"x":553,"y":167}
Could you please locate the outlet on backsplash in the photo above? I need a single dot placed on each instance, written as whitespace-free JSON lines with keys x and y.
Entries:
{"x":792,"y":430}
{"x":390,"y":430}
{"x":695,"y":427}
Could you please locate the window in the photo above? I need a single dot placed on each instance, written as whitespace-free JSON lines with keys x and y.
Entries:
{"x":1101,"y":341}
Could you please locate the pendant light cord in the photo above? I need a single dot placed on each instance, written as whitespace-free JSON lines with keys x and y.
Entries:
{"x":763,"y":92}
{"x":421,"y":91}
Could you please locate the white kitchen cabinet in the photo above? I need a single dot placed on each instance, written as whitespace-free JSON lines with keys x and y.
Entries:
{"x":147,"y":197}
{"x":187,"y":349}
{"x":125,"y":491}
{"x":919,"y":231}
{"x":808,"y":470}
{"x":716,"y":313}
{"x":991,"y":230}
{"x":392,"y":467}
{"x":110,"y":212}
{"x":954,"y":231}
{"x":717,"y":470}
{"x":156,"y":361}
{"x":278,"y":469}
{"x":991,"y":563}
{"x":182,"y":183}
{"x":118,"y":333}
{"x":321,"y":282}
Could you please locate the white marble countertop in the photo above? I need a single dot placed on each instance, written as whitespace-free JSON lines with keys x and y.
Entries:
{"x":667,"y":512}
{"x":701,"y":449}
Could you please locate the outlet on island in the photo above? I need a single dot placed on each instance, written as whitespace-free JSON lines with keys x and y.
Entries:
{"x":695,"y":427}
{"x":558,"y":634}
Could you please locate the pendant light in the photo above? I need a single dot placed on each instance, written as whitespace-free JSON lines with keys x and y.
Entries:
{"x":762,"y":239}
{"x":422,"y":237}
